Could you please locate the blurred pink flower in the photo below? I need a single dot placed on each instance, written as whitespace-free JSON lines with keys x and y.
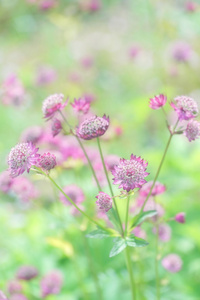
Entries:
{"x":2,"y":296}
{"x":87,"y":62}
{"x":90,"y":5}
{"x":158,"y":101}
{"x":93,"y":127}
{"x":192,"y":131}
{"x":47,"y":4}
{"x":45,"y":75}
{"x":13,"y":91}
{"x":133,"y":51}
{"x":74,"y":192}
{"x":51,"y":283}
{"x":26,"y":273}
{"x":191,"y":6}
{"x":14,"y":286}
{"x":47,"y":161}
{"x":81,"y":105}
{"x":164,"y":232}
{"x":172,"y":263}
{"x":180,"y":217}
{"x":5,"y":182}
{"x":18,"y":297}
{"x":181,"y":51}
{"x":52,"y":105}
{"x":32,"y":134}
{"x":139,"y":232}
{"x":111,"y":161}
{"x":104,"y":201}
{"x":24,"y":189}
{"x":56,"y":126}
{"x":158,"y":188}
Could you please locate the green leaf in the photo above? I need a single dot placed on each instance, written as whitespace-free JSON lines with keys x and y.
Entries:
{"x":138,"y":219}
{"x":99,"y":233}
{"x":119,"y":246}
{"x":134,"y":241}
{"x":112,"y":215}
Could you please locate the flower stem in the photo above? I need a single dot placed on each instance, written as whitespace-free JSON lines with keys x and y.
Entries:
{"x":126,"y":219}
{"x":110,"y":186}
{"x":156,"y":265}
{"x":132,"y":282}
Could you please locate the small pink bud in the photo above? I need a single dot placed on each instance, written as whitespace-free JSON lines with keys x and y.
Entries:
{"x":180,"y":217}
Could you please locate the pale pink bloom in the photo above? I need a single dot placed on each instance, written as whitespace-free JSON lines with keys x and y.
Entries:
{"x":47,"y":161}
{"x":87,"y":62}
{"x":180,"y":217}
{"x":74,"y":192}
{"x":13,"y":91}
{"x":14,"y":286}
{"x":191,"y":6}
{"x":93,"y":127}
{"x":56,"y":126}
{"x":172,"y":263}
{"x":51,"y":284}
{"x":185,"y":107}
{"x":133,"y":51}
{"x":89,"y":97}
{"x":81,"y":105}
{"x":24,"y":189}
{"x":158,"y":188}
{"x":32,"y":134}
{"x":158,"y":101}
{"x":90,"y":5}
{"x":192,"y":131}
{"x":5,"y":182}
{"x":69,"y":147}
{"x":130,"y":174}
{"x":26,"y":273}
{"x":21,"y":158}
{"x":139,"y":232}
{"x":152,"y":205}
{"x":52,"y":105}
{"x":45,"y":75}
{"x":181,"y":51}
{"x":164,"y":232}
{"x":118,"y":130}
{"x":104,"y":201}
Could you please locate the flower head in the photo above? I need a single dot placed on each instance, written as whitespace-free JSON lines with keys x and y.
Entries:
{"x":81,"y":105}
{"x":47,"y":161}
{"x":158,"y":188}
{"x":185,"y":107}
{"x":14,"y":286}
{"x":74,"y":192}
{"x":129,"y":174}
{"x":172,"y":263}
{"x":51,"y":284}
{"x":104,"y":201}
{"x":56,"y":127}
{"x":192,"y":131}
{"x":27,"y":273}
{"x":158,"y":101}
{"x":52,"y":104}
{"x":180,"y":217}
{"x":21,"y":158}
{"x":93,"y":127}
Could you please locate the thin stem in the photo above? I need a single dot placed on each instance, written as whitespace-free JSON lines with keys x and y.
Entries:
{"x":156,"y":265}
{"x":132,"y":282}
{"x":126,"y":219}
{"x":110,"y":186}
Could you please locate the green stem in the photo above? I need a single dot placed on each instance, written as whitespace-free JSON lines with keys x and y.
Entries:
{"x":126,"y":219}
{"x":132,"y":282}
{"x":156,"y":265}
{"x":110,"y":186}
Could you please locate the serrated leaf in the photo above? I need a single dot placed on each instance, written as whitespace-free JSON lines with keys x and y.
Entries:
{"x":134,"y":241}
{"x":138,"y":219}
{"x":119,"y":246}
{"x":99,"y":233}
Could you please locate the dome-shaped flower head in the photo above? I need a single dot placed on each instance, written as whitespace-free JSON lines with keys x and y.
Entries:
{"x":14,"y":287}
{"x":81,"y":105}
{"x":158,"y":101}
{"x":185,"y":107}
{"x":158,"y":188}
{"x":2,"y":296}
{"x":21,"y":158}
{"x":129,"y":174}
{"x":18,"y":297}
{"x":192,"y":131}
{"x":52,"y":104}
{"x":93,"y":127}
{"x":172,"y":263}
{"x":180,"y":217}
{"x":51,"y":284}
{"x":26,"y":273}
{"x":56,"y":127}
{"x":47,"y":161}
{"x":104,"y":201}
{"x":74,"y":192}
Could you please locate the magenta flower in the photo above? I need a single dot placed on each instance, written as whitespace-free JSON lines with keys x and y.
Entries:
{"x":47,"y":161}
{"x":2,"y":296}
{"x":158,"y":188}
{"x":51,"y":283}
{"x":104,"y":201}
{"x":172,"y":263}
{"x":192,"y":131}
{"x":129,"y":174}
{"x":18,"y":297}
{"x":14,"y":287}
{"x":93,"y":127}
{"x":52,"y":105}
{"x":81,"y":105}
{"x":158,"y":101}
{"x":180,"y":217}
{"x":56,"y":127}
{"x":185,"y":107}
{"x":26,"y":273}
{"x":21,"y":158}
{"x":74,"y":192}
{"x":32,"y":134}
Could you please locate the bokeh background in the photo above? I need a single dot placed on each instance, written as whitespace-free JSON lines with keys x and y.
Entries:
{"x":118,"y":53}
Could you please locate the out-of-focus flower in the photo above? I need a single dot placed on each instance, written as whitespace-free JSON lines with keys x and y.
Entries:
{"x":158,"y":188}
{"x":104,"y":201}
{"x":133,"y":51}
{"x":26,"y":273}
{"x":81,"y":105}
{"x":47,"y":161}
{"x":24,"y":189}
{"x":172,"y":263}
{"x":139,"y":232}
{"x":13,"y":91}
{"x":192,"y":131}
{"x":74,"y":192}
{"x":45,"y":75}
{"x":191,"y":6}
{"x":130,"y":174}
{"x":111,"y":161}
{"x":90,"y":5}
{"x":87,"y":62}
{"x":185,"y":107}
{"x":46,"y":4}
{"x":93,"y":127}
{"x":89,"y":97}
{"x":18,"y":297}
{"x":180,"y":217}
{"x":56,"y":127}
{"x":51,"y":283}
{"x":52,"y":105}
{"x":14,"y":287}
{"x":158,"y":101}
{"x":181,"y":51}
{"x":21,"y":158}
{"x":5,"y":182}
{"x":164,"y":232}
{"x":2,"y":296}
{"x":32,"y":134}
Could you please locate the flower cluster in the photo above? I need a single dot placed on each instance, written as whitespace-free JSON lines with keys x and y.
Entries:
{"x":93,"y":127}
{"x":52,"y":105}
{"x":185,"y":107}
{"x":104,"y":201}
{"x":158,"y":101}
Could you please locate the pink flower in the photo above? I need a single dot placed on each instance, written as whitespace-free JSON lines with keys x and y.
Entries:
{"x":172,"y":263}
{"x":185,"y":107}
{"x":32,"y":134}
{"x":81,"y":105}
{"x":129,"y":174}
{"x":5,"y":182}
{"x":51,"y":283}
{"x":139,"y":232}
{"x":158,"y":101}
{"x":74,"y":192}
{"x":191,"y":6}
{"x":45,"y":75}
{"x":47,"y":4}
{"x":181,"y":51}
{"x":52,"y":105}
{"x":133,"y":51}
{"x":47,"y":161}
{"x":192,"y":131}
{"x":104,"y":201}
{"x":24,"y":189}
{"x":18,"y":297}
{"x":2,"y":296}
{"x":26,"y":273}
{"x":14,"y":286}
{"x":87,"y":62}
{"x":180,"y":217}
{"x":13,"y":91}
{"x":93,"y":127}
{"x":91,"y":5}
{"x":21,"y":158}
{"x":164,"y":232}
{"x":111,"y":161}
{"x":158,"y":188}
{"x":56,"y":127}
